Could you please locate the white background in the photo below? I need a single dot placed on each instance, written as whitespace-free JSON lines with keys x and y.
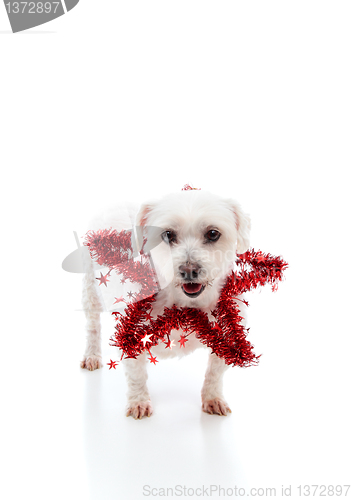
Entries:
{"x":128,"y":100}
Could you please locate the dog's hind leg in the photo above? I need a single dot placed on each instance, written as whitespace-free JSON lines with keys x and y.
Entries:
{"x":92,"y":306}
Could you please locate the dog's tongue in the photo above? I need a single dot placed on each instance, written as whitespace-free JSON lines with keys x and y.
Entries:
{"x":192,"y":287}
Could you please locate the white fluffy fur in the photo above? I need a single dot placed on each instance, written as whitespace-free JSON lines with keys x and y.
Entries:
{"x":189,"y":214}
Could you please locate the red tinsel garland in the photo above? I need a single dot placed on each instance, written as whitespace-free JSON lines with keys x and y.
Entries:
{"x":136,"y":331}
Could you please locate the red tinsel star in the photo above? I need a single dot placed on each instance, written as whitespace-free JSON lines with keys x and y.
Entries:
{"x":153,"y":360}
{"x":260,"y":257}
{"x":103,"y":279}
{"x":130,"y":294}
{"x":217,"y":327}
{"x":148,"y":317}
{"x":169,"y":343}
{"x":112,"y":364}
{"x":183,"y":341}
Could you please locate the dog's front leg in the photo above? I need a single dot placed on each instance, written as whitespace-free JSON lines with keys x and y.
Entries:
{"x":92,"y":306}
{"x":212,"y":398}
{"x":138,"y":399}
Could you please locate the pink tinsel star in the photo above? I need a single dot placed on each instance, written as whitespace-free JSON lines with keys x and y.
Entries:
{"x":103,"y":279}
{"x":119,"y":299}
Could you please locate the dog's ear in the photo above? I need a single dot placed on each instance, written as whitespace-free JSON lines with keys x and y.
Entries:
{"x":243,"y":226}
{"x":143,"y":214}
{"x":141,"y":223}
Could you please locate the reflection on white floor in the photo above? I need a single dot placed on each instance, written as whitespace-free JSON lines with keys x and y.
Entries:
{"x":288,"y":425}
{"x":178,"y":445}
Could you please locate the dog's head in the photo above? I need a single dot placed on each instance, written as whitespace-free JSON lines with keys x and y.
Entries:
{"x":193,"y":238}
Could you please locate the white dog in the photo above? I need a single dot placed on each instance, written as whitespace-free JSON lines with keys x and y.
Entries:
{"x":197,"y":236}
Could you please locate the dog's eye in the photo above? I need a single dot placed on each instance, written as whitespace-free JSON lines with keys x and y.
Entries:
{"x":169,"y":236}
{"x":212,"y":235}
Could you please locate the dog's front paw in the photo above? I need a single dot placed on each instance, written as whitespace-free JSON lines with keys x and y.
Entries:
{"x":140,"y":409}
{"x":216,"y":406}
{"x":91,"y":362}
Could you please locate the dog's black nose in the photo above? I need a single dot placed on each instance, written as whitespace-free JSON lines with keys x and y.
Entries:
{"x":189,"y":271}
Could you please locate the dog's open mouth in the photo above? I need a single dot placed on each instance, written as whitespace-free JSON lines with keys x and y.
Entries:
{"x":192,"y":289}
